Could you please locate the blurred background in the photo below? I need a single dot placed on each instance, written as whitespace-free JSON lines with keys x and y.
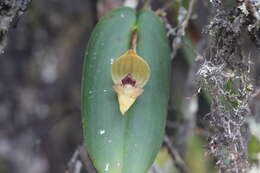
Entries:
{"x":40,"y":80}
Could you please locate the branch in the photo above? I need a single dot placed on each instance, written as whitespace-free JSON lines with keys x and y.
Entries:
{"x":74,"y":165}
{"x":179,"y":163}
{"x":87,"y":163}
{"x":179,"y":31}
{"x":78,"y":160}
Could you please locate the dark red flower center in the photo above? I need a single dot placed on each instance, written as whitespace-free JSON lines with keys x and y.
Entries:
{"x":128,"y":80}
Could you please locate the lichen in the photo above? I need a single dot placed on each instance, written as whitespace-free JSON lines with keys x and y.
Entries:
{"x":224,"y":76}
{"x":10,"y":11}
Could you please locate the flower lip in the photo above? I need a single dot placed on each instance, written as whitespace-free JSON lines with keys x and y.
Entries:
{"x":128,"y":80}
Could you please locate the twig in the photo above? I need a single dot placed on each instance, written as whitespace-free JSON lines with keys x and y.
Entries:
{"x":155,"y":169}
{"x":180,"y":164}
{"x":87,"y":163}
{"x":78,"y":160}
{"x":166,"y":6}
{"x":179,"y":31}
{"x":74,"y":165}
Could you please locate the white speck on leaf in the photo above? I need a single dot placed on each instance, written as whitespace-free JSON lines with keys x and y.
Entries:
{"x":122,"y":15}
{"x":118,"y":164}
{"x":105,"y":90}
{"x":111,"y":61}
{"x":107,"y":167}
{"x":101,"y":132}
{"x":109,"y":141}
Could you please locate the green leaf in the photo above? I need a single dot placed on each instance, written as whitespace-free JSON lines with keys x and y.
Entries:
{"x":254,"y":145}
{"x":129,"y":143}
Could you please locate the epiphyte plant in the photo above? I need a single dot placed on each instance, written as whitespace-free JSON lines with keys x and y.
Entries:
{"x":130,"y":73}
{"x":128,"y":56}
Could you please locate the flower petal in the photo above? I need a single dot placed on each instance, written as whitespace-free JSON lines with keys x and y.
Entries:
{"x":127,"y":96}
{"x":130,"y":63}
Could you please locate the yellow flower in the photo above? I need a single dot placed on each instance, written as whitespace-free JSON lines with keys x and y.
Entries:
{"x":130,"y":73}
